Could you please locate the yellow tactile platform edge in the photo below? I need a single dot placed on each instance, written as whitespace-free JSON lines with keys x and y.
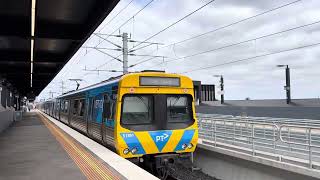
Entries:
{"x":89,"y":166}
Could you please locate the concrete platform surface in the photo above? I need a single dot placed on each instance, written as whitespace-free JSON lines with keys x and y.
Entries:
{"x":127,"y":169}
{"x":29,"y":151}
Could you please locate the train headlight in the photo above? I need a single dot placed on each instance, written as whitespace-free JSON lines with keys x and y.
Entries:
{"x":184,"y":146}
{"x":134,"y":150}
{"x":190,"y":145}
{"x":126,"y":151}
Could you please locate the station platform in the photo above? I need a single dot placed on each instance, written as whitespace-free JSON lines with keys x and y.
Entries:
{"x":39,"y":147}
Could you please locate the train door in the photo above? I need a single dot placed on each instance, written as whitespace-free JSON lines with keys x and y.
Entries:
{"x":95,"y":125}
{"x":52,"y":109}
{"x":105,"y":115}
{"x":69,"y":113}
{"x":89,"y":113}
{"x":108,"y":119}
{"x":59,"y":109}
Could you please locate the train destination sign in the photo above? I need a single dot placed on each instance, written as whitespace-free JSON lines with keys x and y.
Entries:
{"x":159,"y":81}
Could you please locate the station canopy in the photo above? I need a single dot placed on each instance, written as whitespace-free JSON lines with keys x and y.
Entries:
{"x":38,"y":37}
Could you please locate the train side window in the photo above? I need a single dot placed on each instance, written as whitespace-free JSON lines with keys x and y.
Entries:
{"x":75,"y":107}
{"x":113,"y":103}
{"x":113,"y":109}
{"x":66,"y":105}
{"x":106,"y":107}
{"x":82,"y":105}
{"x":62,"y":106}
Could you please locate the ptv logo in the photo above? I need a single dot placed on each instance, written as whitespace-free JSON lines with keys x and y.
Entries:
{"x":162,"y":137}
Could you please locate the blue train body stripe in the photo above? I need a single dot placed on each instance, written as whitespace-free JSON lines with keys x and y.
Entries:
{"x":185,"y":139}
{"x":160,"y":138}
{"x":132,"y":142}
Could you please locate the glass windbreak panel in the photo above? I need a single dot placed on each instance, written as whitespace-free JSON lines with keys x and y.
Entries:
{"x":137,"y":109}
{"x":179,"y":108}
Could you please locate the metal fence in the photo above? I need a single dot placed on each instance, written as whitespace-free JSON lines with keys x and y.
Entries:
{"x":295,"y":141}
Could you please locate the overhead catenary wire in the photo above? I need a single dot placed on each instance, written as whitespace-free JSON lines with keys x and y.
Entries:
{"x":141,"y":61}
{"x":237,"y":43}
{"x":144,"y":7}
{"x":224,"y":27}
{"x":176,"y":22}
{"x":104,"y":39}
{"x":109,"y":55}
{"x":118,"y":46}
{"x":251,"y":58}
{"x":110,"y":60}
{"x":125,"y":7}
{"x":128,"y":20}
{"x":110,"y":21}
{"x":122,"y":10}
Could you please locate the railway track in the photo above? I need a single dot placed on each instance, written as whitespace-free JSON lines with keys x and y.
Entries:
{"x":184,"y":171}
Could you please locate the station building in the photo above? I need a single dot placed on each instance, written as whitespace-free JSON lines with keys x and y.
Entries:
{"x":203,"y":92}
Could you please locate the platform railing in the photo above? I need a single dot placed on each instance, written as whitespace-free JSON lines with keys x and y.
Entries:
{"x":309,"y":138}
{"x":281,"y":140}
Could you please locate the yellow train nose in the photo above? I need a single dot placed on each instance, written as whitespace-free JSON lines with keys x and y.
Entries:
{"x":152,"y":142}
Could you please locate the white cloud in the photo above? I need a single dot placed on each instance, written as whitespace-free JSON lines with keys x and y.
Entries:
{"x":257,"y":78}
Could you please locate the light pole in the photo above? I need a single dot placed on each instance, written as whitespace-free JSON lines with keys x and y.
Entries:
{"x":221,"y":87}
{"x":287,"y":88}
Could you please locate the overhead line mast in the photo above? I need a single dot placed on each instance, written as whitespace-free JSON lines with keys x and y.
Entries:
{"x":125,"y":53}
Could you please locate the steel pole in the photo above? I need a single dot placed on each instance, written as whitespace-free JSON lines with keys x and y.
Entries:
{"x":125,"y":52}
{"x":222,"y":89}
{"x":288,"y":87}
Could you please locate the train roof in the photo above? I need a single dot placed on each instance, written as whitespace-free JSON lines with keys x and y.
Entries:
{"x":116,"y":79}
{"x":102,"y":83}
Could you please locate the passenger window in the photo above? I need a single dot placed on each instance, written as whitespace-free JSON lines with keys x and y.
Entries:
{"x":113,"y":109}
{"x":66,"y":106}
{"x":114,"y":101}
{"x":62,"y":106}
{"x":82,"y":107}
{"x":75,"y":107}
{"x":106,"y":107}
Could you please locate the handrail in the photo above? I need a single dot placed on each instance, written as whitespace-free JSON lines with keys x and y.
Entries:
{"x":279,"y":137}
{"x":309,"y":139}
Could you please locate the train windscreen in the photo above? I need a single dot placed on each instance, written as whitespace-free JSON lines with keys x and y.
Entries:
{"x":156,"y":111}
{"x":179,"y":108}
{"x":137,"y":109}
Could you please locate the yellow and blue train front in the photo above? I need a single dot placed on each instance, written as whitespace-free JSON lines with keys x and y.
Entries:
{"x":136,"y":144}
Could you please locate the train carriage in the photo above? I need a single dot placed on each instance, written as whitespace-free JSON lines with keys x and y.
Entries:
{"x":139,"y":115}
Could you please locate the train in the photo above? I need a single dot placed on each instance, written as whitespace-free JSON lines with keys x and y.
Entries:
{"x":146,"y":116}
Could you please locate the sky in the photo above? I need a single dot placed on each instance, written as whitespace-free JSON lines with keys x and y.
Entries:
{"x":244,"y":40}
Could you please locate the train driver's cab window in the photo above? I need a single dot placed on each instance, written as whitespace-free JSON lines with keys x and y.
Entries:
{"x":179,"y":108}
{"x":137,"y":109}
{"x":81,"y":107}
